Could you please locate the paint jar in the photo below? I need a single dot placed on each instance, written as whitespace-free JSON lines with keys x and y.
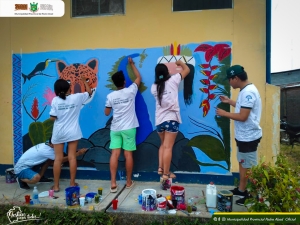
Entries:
{"x":72,"y":195}
{"x":10,"y":176}
{"x":161,"y":204}
{"x":149,"y":199}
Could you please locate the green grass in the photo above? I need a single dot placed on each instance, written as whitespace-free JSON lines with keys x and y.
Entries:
{"x":292,"y":153}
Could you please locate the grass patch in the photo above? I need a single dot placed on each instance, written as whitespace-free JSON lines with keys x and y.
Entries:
{"x":292,"y":153}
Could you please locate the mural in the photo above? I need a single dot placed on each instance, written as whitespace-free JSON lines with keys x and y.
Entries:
{"x":203,"y":143}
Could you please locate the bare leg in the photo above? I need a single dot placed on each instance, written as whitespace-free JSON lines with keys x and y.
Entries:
{"x":113,"y":165}
{"x":34,"y":180}
{"x":72,"y":147}
{"x":161,"y":150}
{"x":45,"y":166}
{"x":243,"y":178}
{"x":59,"y":149}
{"x":129,"y":166}
{"x":167,"y":150}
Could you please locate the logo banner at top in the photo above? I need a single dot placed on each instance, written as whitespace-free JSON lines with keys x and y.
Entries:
{"x":22,"y":8}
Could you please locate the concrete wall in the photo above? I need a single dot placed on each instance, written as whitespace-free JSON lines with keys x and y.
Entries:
{"x":145,"y":24}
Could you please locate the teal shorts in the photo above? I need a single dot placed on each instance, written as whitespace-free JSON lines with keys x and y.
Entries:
{"x":123,"y":139}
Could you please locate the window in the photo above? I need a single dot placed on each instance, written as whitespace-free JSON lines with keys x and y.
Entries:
{"x":189,"y":5}
{"x":84,"y":8}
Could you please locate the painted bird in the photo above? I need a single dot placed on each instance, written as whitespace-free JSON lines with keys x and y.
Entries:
{"x":38,"y":70}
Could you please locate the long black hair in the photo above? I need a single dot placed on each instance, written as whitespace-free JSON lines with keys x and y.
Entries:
{"x":161,"y":76}
{"x":61,"y":88}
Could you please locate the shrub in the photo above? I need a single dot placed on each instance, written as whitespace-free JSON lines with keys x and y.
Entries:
{"x":275,"y":188}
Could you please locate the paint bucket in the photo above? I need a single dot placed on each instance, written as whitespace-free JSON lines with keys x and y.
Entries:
{"x":10,"y":176}
{"x":72,"y":195}
{"x":177,"y":194}
{"x":161,"y":203}
{"x":224,"y":201}
{"x":149,"y":199}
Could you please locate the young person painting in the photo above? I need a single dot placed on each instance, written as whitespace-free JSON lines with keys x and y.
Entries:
{"x":65,"y":110}
{"x":167,"y":114}
{"x":124,"y":124}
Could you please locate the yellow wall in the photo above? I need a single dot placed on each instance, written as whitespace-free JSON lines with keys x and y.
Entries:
{"x":147,"y":23}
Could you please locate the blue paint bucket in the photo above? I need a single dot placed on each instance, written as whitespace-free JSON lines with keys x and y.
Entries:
{"x":72,"y":195}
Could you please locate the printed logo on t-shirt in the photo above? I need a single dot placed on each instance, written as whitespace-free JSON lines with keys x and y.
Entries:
{"x":63,"y":106}
{"x":248,"y":97}
{"x":117,"y":101}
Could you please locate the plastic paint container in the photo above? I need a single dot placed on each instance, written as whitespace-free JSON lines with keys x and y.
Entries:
{"x":72,"y":195}
{"x":178,"y":193}
{"x":10,"y":176}
{"x":149,"y":199}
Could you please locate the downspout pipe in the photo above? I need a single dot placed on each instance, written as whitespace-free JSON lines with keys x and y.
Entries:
{"x":268,"y":40}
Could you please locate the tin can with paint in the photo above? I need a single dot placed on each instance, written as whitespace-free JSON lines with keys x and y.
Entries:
{"x":10,"y":176}
{"x":149,"y":199}
{"x":178,"y":194}
{"x":224,"y":201}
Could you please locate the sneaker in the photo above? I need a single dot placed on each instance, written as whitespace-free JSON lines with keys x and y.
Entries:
{"x":238,"y":193}
{"x":45,"y":180}
{"x":241,"y":201}
{"x":22,"y":184}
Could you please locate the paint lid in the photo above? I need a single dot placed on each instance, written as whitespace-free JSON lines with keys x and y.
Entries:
{"x":225,"y":193}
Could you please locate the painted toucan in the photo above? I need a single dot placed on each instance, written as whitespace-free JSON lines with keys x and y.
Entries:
{"x":38,"y":70}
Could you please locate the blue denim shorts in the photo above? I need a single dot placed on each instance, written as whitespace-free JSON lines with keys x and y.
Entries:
{"x":26,"y":174}
{"x":170,"y":126}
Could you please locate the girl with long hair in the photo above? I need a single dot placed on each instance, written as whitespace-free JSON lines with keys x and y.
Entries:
{"x":167,"y":113}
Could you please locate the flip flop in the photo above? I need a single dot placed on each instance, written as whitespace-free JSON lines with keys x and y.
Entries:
{"x":114,"y":189}
{"x":132,"y":184}
{"x":54,"y":190}
{"x":76,"y":185}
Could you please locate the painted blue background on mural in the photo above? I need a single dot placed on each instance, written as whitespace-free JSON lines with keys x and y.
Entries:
{"x":92,"y":116}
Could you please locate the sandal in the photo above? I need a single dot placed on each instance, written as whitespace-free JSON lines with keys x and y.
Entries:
{"x":114,"y":189}
{"x":132,"y":183}
{"x":52,"y":188}
{"x":169,"y":175}
{"x":76,"y":185}
{"x":160,"y":170}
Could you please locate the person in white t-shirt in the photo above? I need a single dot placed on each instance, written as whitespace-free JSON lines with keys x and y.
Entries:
{"x":40,"y":154}
{"x":167,"y":113}
{"x":65,"y":111}
{"x":246,"y":124}
{"x":124,"y":124}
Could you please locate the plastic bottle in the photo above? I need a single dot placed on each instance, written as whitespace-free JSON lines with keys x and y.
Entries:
{"x":211,"y":195}
{"x":35,"y":195}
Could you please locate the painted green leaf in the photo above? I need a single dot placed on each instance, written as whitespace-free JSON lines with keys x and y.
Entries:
{"x":36,"y":133}
{"x":209,"y":145}
{"x":48,"y":127}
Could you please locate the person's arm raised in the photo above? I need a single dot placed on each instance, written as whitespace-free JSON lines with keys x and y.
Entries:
{"x":135,"y":71}
{"x":87,"y":87}
{"x":185,"y":69}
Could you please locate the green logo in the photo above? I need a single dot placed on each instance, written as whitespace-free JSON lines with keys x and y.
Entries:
{"x":33,"y":7}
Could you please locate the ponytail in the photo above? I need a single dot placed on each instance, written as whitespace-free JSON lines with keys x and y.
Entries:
{"x":161,"y":76}
{"x":62,"y":95}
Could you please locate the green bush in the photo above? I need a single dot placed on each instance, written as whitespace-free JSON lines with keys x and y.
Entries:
{"x":275,"y":188}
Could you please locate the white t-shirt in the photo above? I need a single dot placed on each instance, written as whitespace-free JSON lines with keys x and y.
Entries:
{"x":34,"y":156}
{"x":123,"y":104}
{"x":66,"y":126}
{"x":249,"y":130}
{"x":169,"y":108}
